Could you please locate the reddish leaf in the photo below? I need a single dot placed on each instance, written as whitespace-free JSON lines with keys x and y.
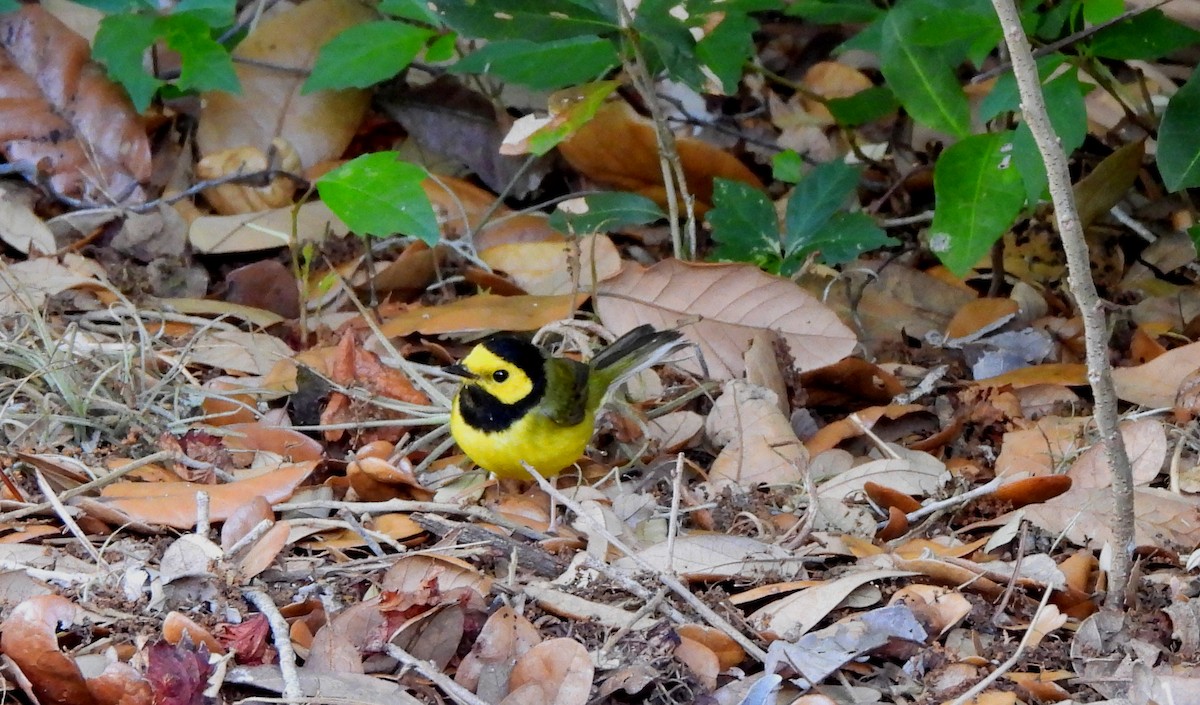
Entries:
{"x":177,"y":674}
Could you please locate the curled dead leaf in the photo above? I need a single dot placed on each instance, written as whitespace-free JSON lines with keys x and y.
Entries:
{"x":230,"y":198}
{"x":1033,"y":490}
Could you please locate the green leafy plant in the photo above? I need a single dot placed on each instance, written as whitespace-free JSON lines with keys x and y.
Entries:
{"x":190,"y":29}
{"x":746,"y":228}
{"x":377,"y":194}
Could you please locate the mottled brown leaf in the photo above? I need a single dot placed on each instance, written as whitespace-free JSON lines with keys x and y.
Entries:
{"x":61,"y":112}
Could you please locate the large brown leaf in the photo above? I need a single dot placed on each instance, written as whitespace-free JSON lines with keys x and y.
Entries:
{"x":62,"y":113}
{"x":721,"y":308}
{"x":317,"y":125}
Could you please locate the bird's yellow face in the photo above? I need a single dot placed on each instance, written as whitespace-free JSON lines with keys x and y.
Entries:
{"x":498,"y":377}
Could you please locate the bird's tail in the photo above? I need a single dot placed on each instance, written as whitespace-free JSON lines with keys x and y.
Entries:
{"x":633,"y":352}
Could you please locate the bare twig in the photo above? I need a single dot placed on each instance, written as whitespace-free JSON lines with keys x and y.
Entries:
{"x":281,"y":634}
{"x":1083,"y":288}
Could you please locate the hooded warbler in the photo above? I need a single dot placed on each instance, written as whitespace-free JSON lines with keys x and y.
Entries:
{"x":519,"y":403}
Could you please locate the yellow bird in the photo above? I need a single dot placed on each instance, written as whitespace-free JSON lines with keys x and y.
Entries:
{"x":518,"y":403}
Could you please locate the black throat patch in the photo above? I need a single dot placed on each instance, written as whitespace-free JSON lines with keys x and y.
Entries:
{"x":484,"y":412}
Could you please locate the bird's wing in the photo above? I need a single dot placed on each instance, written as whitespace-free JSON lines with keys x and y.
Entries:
{"x":566,"y":398}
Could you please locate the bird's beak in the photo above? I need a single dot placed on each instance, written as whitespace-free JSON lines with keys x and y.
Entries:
{"x":460,"y":371}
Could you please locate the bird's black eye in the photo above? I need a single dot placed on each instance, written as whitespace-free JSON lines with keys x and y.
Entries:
{"x":500,"y":375}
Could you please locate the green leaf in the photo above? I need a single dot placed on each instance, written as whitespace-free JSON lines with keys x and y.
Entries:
{"x":865,"y":106}
{"x":376,"y":194}
{"x":534,"y":20}
{"x":842,"y":239}
{"x":585,"y":100}
{"x":1146,"y":36}
{"x":978,"y":195}
{"x":726,"y":49}
{"x":545,"y":65}
{"x":744,"y":225}
{"x":214,"y":13}
{"x":1179,"y":137}
{"x":787,"y":166}
{"x":836,"y":11}
{"x":366,"y":54}
{"x":415,"y":10}
{"x":121,"y":41}
{"x":1194,"y":233}
{"x":1068,"y":116}
{"x":443,"y":48}
{"x":922,"y":78}
{"x":204,"y":64}
{"x":606,"y":212}
{"x":9,"y":6}
{"x":1004,"y":96}
{"x":667,"y":42}
{"x":815,"y":199}
{"x":1101,"y":11}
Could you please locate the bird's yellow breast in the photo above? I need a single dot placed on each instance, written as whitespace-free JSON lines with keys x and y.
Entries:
{"x":534,"y":439}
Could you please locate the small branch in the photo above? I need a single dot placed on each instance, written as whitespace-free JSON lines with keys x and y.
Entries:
{"x":1083,"y":288}
{"x":281,"y":634}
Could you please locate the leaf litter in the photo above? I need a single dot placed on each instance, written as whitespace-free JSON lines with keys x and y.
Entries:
{"x":856,"y":483}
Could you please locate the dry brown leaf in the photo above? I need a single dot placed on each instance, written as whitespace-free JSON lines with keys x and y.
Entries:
{"x":320,"y":124}
{"x":1039,"y":450}
{"x":231,"y":198}
{"x":1060,"y":373}
{"x":729,"y":652}
{"x":1158,"y":383}
{"x":505,"y":637}
{"x":238,"y":351}
{"x":28,"y":638}
{"x":21,"y":228}
{"x":732,"y":303}
{"x":1085,"y":516}
{"x":700,"y":660}
{"x":1145,"y":445}
{"x":792,"y":616}
{"x":549,"y":268}
{"x":618,"y":148}
{"x":1032,"y":490}
{"x":981,"y":316}
{"x":555,"y":672}
{"x":25,"y":286}
{"x":174,"y":503}
{"x":676,"y":430}
{"x":62,"y":112}
{"x":759,"y":445}
{"x":244,"y":519}
{"x":939,"y":609}
{"x":265,"y":230}
{"x":256,"y":436}
{"x":485,"y":312}
{"x":177,"y":625}
{"x":411,"y":574}
{"x":712,"y":556}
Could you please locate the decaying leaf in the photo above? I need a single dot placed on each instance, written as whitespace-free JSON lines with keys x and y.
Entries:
{"x":720,"y":308}
{"x":760,"y":446}
{"x":63,"y":115}
{"x":318,"y":125}
{"x":618,"y":148}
